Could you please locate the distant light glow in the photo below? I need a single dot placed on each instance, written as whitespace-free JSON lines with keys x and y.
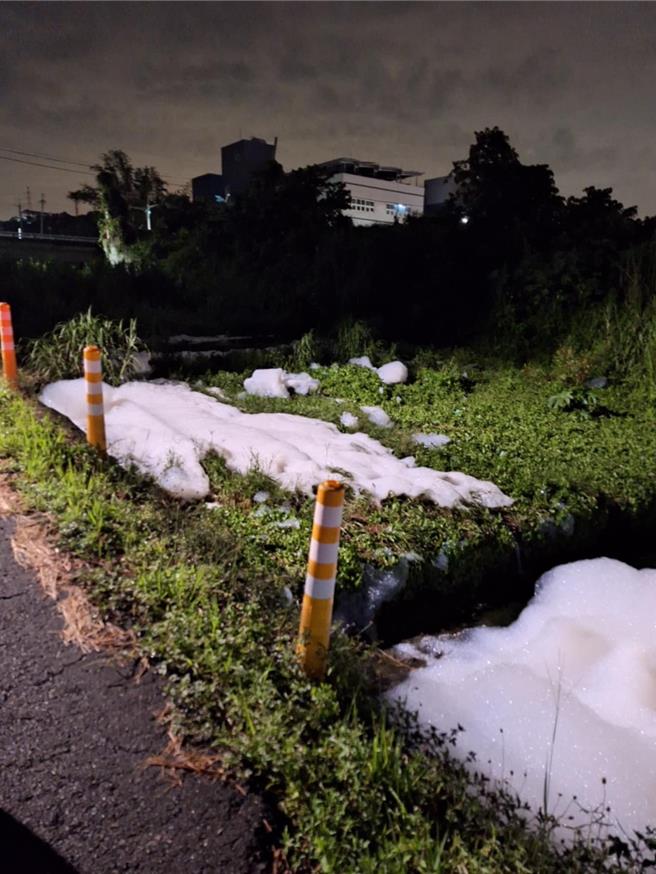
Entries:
{"x":464,"y":220}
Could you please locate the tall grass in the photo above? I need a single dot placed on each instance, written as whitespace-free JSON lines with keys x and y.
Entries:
{"x":630,"y":326}
{"x":617,"y":336}
{"x":58,"y":354}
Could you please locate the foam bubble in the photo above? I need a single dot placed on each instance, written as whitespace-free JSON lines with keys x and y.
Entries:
{"x":580,"y":660}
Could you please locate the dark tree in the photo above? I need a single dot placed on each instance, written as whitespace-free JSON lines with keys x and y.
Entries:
{"x":122,"y":195}
{"x":514,"y":203}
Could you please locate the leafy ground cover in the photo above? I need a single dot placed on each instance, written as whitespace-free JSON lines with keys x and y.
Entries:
{"x":204,"y":591}
{"x":571,"y":457}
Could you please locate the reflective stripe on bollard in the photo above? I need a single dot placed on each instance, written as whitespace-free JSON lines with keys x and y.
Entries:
{"x":317,"y":609}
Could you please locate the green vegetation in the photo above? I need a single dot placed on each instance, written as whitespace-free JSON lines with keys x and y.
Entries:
{"x":355,"y":793}
{"x":204,"y":589}
{"x":58,"y":354}
{"x":573,"y":475}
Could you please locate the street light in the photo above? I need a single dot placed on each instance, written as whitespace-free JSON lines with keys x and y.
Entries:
{"x":148,"y":208}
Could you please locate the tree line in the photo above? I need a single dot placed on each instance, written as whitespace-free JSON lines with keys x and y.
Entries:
{"x":282,"y":258}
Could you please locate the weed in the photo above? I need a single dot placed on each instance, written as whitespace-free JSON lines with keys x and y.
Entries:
{"x":578,"y":400}
{"x":58,"y":355}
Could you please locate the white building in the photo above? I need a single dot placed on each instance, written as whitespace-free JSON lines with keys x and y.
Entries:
{"x":379,"y":195}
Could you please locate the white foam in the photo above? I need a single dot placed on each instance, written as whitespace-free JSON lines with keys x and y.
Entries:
{"x":362,"y":361}
{"x":141,"y":363}
{"x":274,"y":382}
{"x":301,"y":383}
{"x":166,"y":429}
{"x":216,"y":391}
{"x":377,"y":416}
{"x":195,"y":354}
{"x":267,"y":383}
{"x":430,"y":441}
{"x":348,"y":420}
{"x":393,"y":373}
{"x":581,"y":657}
{"x":195,"y":339}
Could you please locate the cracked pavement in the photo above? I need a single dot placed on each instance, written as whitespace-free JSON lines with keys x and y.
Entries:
{"x":75,"y":731}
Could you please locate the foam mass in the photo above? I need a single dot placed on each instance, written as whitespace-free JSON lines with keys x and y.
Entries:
{"x":164,"y":430}
{"x":579,"y":661}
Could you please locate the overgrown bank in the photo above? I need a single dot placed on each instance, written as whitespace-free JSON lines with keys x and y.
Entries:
{"x":354,"y":795}
{"x":572,"y":458}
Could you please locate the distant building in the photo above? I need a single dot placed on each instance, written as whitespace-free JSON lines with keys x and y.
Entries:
{"x":239,"y":162}
{"x":437,"y":192}
{"x":209,"y":186}
{"x":379,"y":195}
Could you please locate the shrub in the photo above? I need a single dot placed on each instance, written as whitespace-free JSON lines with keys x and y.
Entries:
{"x":305,"y":351}
{"x":58,"y":354}
{"x":570,"y":366}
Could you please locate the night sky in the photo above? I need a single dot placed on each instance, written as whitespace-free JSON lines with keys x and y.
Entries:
{"x":398,"y":83}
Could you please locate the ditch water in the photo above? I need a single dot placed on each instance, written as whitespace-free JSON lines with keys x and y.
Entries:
{"x":198,"y":355}
{"x":489,"y":587}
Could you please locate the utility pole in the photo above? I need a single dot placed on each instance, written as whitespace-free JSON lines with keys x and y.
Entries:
{"x":20,"y":220}
{"x":147,"y":210}
{"x":42,"y":203}
{"x":29,"y":198}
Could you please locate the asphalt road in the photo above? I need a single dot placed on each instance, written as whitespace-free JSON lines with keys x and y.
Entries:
{"x":75,"y":731}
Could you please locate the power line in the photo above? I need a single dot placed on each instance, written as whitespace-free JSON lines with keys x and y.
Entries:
{"x":61,"y":160}
{"x":89,"y":172}
{"x":41,"y":155}
{"x":47,"y":166}
{"x":70,"y":170}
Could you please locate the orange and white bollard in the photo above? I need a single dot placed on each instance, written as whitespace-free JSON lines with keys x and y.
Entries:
{"x":9,"y":368}
{"x":317,"y":609}
{"x":95,"y":407}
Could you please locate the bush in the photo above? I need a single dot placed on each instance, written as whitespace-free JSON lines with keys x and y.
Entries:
{"x":58,"y":354}
{"x":571,"y":367}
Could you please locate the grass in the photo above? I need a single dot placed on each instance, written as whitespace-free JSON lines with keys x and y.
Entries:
{"x":58,"y":354}
{"x":203,"y":591}
{"x":574,"y":471}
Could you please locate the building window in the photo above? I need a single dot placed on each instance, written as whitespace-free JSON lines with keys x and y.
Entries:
{"x":396,"y":209}
{"x":361,"y":205}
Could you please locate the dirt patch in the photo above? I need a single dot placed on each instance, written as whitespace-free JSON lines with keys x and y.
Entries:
{"x":32,"y":547}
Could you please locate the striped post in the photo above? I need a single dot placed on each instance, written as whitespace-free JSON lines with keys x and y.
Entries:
{"x":95,"y":409}
{"x":317,"y":610}
{"x":9,"y":368}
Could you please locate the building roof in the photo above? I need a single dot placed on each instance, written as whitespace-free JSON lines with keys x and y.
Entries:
{"x":368,"y":168}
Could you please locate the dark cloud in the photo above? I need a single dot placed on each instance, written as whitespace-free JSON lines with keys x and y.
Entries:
{"x":540,"y":77}
{"x":202,"y":80}
{"x":293,"y":69}
{"x":592,"y":164}
{"x":401,"y":83}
